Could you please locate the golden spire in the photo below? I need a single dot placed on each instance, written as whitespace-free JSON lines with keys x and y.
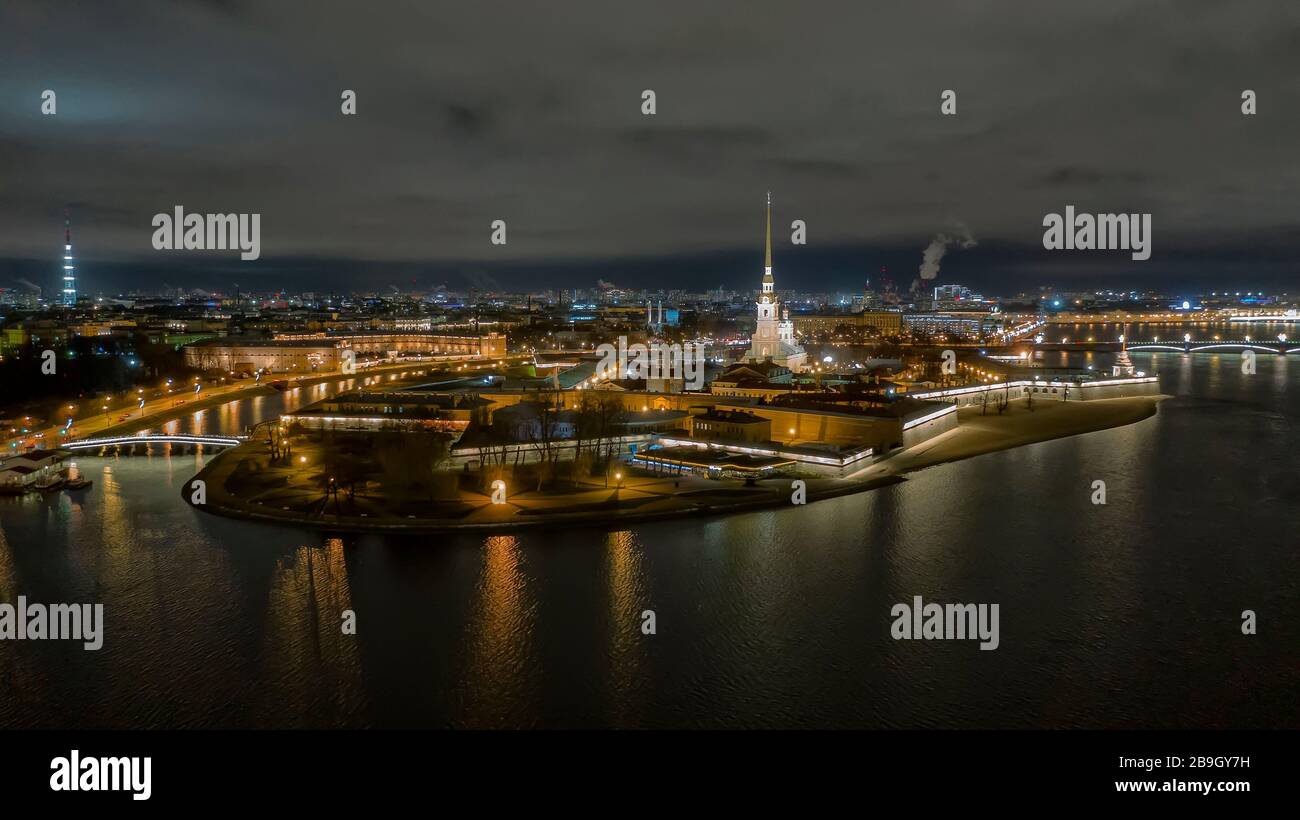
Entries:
{"x":767,"y":259}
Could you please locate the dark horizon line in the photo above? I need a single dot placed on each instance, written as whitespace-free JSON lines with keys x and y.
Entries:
{"x":992,"y":265}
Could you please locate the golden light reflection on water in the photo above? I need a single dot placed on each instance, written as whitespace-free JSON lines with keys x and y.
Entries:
{"x":499,"y":640}
{"x":1280,"y":373}
{"x":627,"y":600}
{"x":304,"y":638}
{"x":115,"y":528}
{"x":110,"y":544}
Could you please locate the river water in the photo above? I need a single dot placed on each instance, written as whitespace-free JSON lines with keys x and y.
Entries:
{"x":1122,"y":615}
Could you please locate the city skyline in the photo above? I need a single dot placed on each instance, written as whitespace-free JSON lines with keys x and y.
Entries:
{"x":820,"y":270}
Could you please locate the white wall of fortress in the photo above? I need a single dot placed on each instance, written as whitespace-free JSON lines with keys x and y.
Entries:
{"x":928,"y":427}
{"x":1046,"y":391}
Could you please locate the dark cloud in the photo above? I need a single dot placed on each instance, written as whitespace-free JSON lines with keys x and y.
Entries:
{"x":815,"y":168}
{"x":470,"y":112}
{"x":675,"y":139}
{"x":1074,"y":176}
{"x":468,"y":120}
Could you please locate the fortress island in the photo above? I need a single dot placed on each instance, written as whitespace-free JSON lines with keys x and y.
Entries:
{"x":488,"y":440}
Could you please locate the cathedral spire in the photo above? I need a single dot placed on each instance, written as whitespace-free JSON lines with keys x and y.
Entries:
{"x":767,"y":258}
{"x":773,"y":340}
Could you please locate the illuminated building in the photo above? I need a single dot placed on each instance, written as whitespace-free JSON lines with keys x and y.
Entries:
{"x":889,"y":323}
{"x":323,"y":352}
{"x":730,"y":425}
{"x":1123,"y":364}
{"x":773,"y":339}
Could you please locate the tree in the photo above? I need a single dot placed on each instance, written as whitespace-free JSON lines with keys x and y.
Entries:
{"x":608,"y":408}
{"x":544,"y":434}
{"x":346,"y":462}
{"x":412,"y":459}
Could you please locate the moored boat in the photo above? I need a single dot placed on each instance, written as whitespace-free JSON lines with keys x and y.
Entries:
{"x":49,"y":485}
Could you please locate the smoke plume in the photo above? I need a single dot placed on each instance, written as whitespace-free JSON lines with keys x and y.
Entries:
{"x":933,"y":254}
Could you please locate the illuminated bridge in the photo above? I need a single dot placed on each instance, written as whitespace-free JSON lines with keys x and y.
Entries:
{"x":160,"y":438}
{"x":1229,"y":345}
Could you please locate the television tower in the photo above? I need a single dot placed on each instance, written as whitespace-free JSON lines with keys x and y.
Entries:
{"x":69,"y":268}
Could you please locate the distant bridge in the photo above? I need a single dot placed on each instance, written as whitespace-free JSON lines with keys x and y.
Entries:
{"x":113,"y":441}
{"x":1281,"y":348}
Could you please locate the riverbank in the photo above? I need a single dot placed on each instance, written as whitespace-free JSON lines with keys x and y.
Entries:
{"x":978,"y":434}
{"x":245,"y":483}
{"x":167,"y":410}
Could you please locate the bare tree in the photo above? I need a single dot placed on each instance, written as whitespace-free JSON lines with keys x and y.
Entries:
{"x":608,"y":407}
{"x":544,"y":435}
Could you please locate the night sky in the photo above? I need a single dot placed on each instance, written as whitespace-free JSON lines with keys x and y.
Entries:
{"x":531,"y":112}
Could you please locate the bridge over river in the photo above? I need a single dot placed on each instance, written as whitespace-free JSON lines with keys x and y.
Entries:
{"x":157,"y":438}
{"x":1282,"y":347}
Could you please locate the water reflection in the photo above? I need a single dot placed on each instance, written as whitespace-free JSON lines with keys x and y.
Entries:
{"x":627,"y":600}
{"x":1122,"y":614}
{"x":307,"y":599}
{"x":499,"y":658}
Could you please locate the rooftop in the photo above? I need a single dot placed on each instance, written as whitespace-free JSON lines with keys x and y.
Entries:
{"x":712,"y":459}
{"x":732,"y":417}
